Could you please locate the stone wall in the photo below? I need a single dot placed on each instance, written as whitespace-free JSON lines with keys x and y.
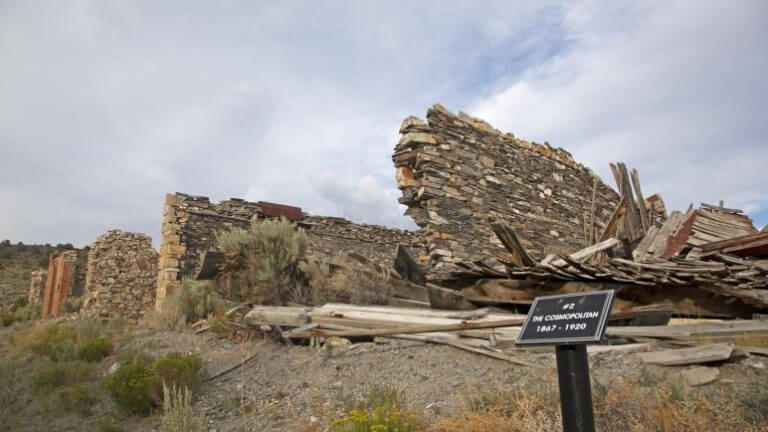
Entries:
{"x":121,"y":277}
{"x":36,"y":286}
{"x":456,"y":172}
{"x":190,"y":225}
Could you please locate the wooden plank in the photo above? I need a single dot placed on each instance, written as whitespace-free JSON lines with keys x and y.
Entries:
{"x":611,"y":225}
{"x":721,"y":208}
{"x":686,"y":356}
{"x":412,"y":329}
{"x":639,"y":253}
{"x":417,"y":312}
{"x":644,"y":216}
{"x":277,"y":315}
{"x":511,"y":242}
{"x":584,"y":254}
{"x":635,"y":226}
{"x":455,"y":344}
{"x":659,"y":243}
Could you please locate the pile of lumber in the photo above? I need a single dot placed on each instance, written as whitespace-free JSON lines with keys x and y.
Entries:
{"x":485,"y":332}
{"x":709,"y":261}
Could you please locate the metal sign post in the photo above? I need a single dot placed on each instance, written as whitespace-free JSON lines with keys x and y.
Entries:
{"x":569,"y":322}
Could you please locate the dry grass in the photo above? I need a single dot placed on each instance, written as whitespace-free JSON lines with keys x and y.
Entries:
{"x":337,"y":280}
{"x":628,"y":406}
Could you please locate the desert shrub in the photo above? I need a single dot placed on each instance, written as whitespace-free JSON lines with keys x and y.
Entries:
{"x":131,"y":386}
{"x":192,"y":302}
{"x":19,"y":303}
{"x":137,"y":386}
{"x":263,"y":264}
{"x":382,"y":410}
{"x":78,"y":398}
{"x":176,"y":369}
{"x":94,"y":350}
{"x":754,"y":401}
{"x":177,"y":411}
{"x":71,"y":304}
{"x":27,"y":312}
{"x":57,"y":342}
{"x":52,"y":375}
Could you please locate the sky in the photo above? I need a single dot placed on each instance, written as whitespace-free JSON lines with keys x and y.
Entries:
{"x":106,"y":106}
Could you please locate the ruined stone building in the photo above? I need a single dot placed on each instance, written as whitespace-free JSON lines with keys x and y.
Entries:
{"x":455,"y":172}
{"x":190,"y":225}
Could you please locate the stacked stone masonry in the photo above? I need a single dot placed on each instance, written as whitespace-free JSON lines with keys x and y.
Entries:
{"x":456,"y":172}
{"x":121,"y":278}
{"x":190,"y":225}
{"x":36,"y":286}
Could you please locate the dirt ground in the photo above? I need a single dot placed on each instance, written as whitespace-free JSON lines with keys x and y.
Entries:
{"x":284,"y":388}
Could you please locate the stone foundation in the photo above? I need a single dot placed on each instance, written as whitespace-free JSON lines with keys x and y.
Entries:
{"x":121,"y":277}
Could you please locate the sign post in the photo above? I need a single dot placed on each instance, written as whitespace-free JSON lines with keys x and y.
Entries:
{"x":570,"y":321}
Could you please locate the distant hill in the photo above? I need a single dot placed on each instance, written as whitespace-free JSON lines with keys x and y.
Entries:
{"x":16,"y":263}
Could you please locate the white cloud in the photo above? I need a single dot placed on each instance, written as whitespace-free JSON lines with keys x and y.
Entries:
{"x":675,"y":89}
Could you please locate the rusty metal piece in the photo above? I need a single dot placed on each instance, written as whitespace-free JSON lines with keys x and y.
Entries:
{"x":270,"y":210}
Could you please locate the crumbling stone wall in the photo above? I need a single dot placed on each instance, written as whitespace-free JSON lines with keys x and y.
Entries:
{"x":456,"y":172}
{"x":36,"y":286}
{"x":328,"y":236}
{"x":121,"y":277}
{"x":190,"y":225}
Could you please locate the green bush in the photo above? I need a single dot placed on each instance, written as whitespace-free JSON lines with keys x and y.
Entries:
{"x":177,"y":412}
{"x":137,"y":386}
{"x":131,"y":386}
{"x":94,"y":350}
{"x":176,"y":369}
{"x":264,"y":264}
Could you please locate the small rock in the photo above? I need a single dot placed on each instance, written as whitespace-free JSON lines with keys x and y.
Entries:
{"x":112,"y":369}
{"x":758,"y":365}
{"x":700,"y":375}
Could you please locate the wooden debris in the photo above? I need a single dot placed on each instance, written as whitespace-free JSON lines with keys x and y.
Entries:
{"x":685,"y":356}
{"x":277,"y":315}
{"x":508,"y":238}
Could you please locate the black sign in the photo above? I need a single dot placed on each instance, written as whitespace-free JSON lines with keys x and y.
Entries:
{"x":567,"y":319}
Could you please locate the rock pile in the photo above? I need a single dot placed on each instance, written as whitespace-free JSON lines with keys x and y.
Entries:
{"x":456,"y":172}
{"x":121,"y":278}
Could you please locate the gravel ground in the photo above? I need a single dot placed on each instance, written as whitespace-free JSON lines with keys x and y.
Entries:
{"x":284,"y":388}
